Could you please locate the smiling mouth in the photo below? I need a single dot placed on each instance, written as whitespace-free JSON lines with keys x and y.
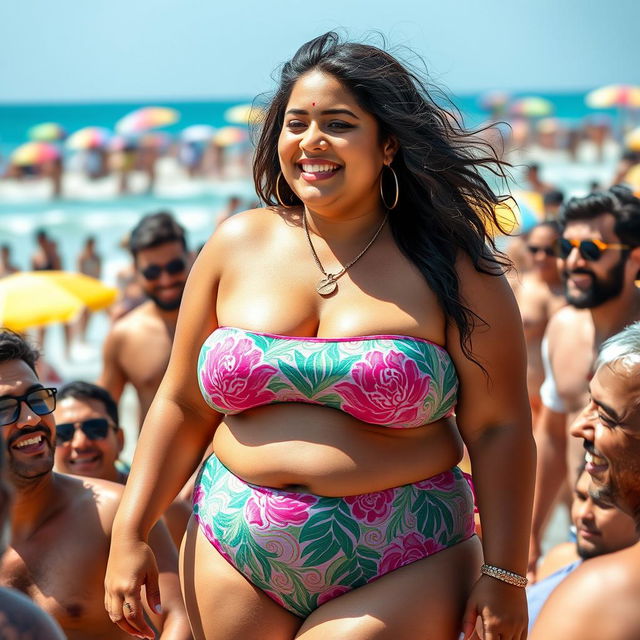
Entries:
{"x":318,"y":170}
{"x":85,"y":459}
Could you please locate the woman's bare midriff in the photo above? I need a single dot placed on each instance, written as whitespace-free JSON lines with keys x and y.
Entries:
{"x":326,"y":452}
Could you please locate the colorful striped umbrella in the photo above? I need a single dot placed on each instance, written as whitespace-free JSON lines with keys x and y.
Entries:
{"x":146,"y":118}
{"x":198,"y":133}
{"x":32,"y":153}
{"x":243,"y":114}
{"x":46,"y":132}
{"x":494,"y":100}
{"x":625,"y":96}
{"x":531,"y":107}
{"x":89,"y":138}
{"x":228,"y":136}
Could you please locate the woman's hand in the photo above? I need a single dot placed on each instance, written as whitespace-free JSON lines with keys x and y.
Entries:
{"x":131,"y":566}
{"x":502,"y":609}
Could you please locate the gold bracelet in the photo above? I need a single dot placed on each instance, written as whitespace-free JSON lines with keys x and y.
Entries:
{"x":509,"y":577}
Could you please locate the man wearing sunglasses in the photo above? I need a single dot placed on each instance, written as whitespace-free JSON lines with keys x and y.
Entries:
{"x":136,"y":351}
{"x":61,"y":525}
{"x":600,"y":249}
{"x":89,"y":441}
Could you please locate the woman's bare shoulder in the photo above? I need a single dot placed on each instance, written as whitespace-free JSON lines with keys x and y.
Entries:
{"x":251,"y":224}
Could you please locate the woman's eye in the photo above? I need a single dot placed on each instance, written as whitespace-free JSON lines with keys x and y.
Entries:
{"x":295,"y":124}
{"x":340,"y":125}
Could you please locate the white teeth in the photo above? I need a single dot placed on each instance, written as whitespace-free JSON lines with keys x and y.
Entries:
{"x":26,"y":443}
{"x":592,"y":458}
{"x":319,"y":168}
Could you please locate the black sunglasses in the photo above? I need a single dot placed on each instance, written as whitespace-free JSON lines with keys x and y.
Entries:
{"x":550,"y":252}
{"x":173,"y":268}
{"x":590,"y":250}
{"x":41,"y":401}
{"x":94,"y":429}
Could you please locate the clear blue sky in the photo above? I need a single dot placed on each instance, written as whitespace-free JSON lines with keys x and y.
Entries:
{"x":96,"y":50}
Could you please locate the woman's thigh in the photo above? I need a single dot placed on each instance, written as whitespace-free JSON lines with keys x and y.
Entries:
{"x":221,"y":603}
{"x":424,"y":600}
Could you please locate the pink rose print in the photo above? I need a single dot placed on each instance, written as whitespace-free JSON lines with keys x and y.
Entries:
{"x":409,"y":548}
{"x":233,"y":377}
{"x":388,"y":389}
{"x":371,"y":507}
{"x":445,"y":481}
{"x":263,"y":509}
{"x":332,"y":593}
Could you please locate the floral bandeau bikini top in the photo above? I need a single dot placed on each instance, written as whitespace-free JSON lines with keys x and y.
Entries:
{"x":387,"y":380}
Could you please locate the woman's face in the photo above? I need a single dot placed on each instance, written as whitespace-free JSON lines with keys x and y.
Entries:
{"x":329,"y":147}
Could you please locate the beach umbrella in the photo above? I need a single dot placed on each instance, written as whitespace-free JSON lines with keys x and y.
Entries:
{"x":243,"y":114}
{"x":197,"y":133}
{"x":146,"y":118}
{"x":46,"y":132}
{"x":33,"y":153}
{"x":531,"y":107}
{"x":89,"y":138}
{"x":228,"y":136}
{"x":495,"y":102}
{"x":632,"y":140}
{"x":623,"y":96}
{"x":515,"y":215}
{"x":36,"y":298}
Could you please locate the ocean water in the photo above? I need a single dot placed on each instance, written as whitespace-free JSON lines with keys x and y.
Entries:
{"x":16,"y":119}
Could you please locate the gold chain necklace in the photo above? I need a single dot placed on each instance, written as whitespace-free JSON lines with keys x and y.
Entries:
{"x":328,"y":284}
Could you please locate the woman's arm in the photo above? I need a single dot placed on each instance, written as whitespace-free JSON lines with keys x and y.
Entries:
{"x":175,"y":433}
{"x":494,"y":419}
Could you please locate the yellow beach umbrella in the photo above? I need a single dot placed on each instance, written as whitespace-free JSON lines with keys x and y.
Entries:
{"x":36,"y":298}
{"x":243,"y":114}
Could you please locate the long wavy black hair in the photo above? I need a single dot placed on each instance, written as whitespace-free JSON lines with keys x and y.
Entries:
{"x":445,"y":204}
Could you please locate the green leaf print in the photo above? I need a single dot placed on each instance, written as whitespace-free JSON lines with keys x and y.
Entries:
{"x":296,"y":378}
{"x":359,"y":567}
{"x":401,"y":507}
{"x":340,"y":537}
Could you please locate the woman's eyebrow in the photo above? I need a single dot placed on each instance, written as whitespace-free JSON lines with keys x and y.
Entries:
{"x":326,"y":112}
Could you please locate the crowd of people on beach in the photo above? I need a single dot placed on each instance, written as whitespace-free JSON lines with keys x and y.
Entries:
{"x":341,"y":395}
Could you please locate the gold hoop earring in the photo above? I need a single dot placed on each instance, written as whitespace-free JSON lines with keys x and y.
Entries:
{"x":395,"y":178}
{"x":282,"y":204}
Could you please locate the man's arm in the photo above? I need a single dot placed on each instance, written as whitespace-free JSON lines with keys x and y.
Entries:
{"x":551,"y":471}
{"x":113,"y":377}
{"x":173,"y":622}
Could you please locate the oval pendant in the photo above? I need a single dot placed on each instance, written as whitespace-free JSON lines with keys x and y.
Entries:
{"x":326,"y":286}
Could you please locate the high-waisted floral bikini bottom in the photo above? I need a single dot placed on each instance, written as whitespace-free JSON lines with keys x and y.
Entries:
{"x":303,"y":550}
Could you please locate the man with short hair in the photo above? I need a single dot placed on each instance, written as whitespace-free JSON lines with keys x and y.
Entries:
{"x":61,"y":525}
{"x":19,"y":617}
{"x":599,"y":600}
{"x":600,"y":246}
{"x":89,"y":440}
{"x":137,"y":348}
{"x":600,"y":528}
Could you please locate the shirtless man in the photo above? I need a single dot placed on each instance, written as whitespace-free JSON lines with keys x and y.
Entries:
{"x":600,"y":528}
{"x":539,"y":294}
{"x":599,"y":600}
{"x":19,"y":617}
{"x":601,"y":249}
{"x":137,"y":348}
{"x":61,"y":526}
{"x":89,"y":441}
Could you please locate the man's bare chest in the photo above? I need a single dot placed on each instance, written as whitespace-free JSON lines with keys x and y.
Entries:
{"x":62,"y":575}
{"x":144,"y":359}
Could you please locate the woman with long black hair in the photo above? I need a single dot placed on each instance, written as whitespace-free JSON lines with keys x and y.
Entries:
{"x":337,"y":347}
